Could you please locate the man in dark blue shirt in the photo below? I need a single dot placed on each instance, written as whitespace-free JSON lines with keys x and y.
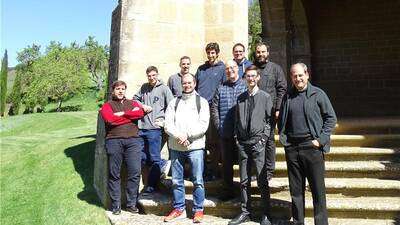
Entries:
{"x":208,"y":77}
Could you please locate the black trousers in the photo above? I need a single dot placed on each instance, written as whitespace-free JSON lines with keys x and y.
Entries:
{"x":212,"y":145}
{"x":228,"y":157}
{"x":129,"y":151}
{"x":270,"y":150}
{"x":307,"y":162}
{"x":250,"y":155}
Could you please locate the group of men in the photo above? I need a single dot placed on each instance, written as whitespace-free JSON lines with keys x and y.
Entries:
{"x":228,"y":110}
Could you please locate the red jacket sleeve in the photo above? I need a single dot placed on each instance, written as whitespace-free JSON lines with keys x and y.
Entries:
{"x":109,"y":117}
{"x":136,"y":113}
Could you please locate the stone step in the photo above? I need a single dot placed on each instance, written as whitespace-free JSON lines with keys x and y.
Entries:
{"x":344,"y":186}
{"x":388,"y":125}
{"x":127,"y":218}
{"x":353,"y":154}
{"x":368,"y":140}
{"x":348,"y":169}
{"x":338,"y":206}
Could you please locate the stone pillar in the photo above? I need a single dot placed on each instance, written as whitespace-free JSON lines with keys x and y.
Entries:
{"x":274,"y":21}
{"x":159,"y":32}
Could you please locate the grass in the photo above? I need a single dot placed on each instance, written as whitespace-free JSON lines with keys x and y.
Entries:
{"x":47,"y":162}
{"x":80,"y":102}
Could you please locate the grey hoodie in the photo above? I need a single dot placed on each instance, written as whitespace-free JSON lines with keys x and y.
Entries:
{"x":158,"y":98}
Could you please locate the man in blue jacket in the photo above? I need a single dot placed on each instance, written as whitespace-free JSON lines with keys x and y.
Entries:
{"x":208,"y":77}
{"x":222,"y":115}
{"x":306,"y":122}
{"x":239,"y":55}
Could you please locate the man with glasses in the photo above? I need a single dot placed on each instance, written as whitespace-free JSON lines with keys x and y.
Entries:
{"x":239,"y":55}
{"x":252,"y":128}
{"x":223,"y":115}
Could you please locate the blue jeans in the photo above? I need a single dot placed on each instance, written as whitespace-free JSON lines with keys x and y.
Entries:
{"x":119,"y":150}
{"x":196,"y":161}
{"x":151,"y":155}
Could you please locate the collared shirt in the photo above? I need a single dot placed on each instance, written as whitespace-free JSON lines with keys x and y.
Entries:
{"x":254,"y":91}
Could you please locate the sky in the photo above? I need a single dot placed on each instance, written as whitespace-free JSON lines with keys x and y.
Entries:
{"x":27,"y":22}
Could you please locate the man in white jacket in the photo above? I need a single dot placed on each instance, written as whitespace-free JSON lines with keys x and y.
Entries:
{"x":186,"y":122}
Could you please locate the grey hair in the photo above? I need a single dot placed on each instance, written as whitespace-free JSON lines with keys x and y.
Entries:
{"x":304,"y":66}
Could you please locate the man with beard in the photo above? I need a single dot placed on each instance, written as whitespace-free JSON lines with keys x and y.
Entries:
{"x":273,"y":82}
{"x":123,"y":143}
{"x":208,"y":77}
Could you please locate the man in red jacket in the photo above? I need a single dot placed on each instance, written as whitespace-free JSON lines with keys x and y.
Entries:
{"x":123,"y":144}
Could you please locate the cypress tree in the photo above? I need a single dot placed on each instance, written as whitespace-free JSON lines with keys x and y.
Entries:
{"x":3,"y":83}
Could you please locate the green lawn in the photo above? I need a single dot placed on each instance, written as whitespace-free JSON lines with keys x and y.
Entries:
{"x":47,"y":169}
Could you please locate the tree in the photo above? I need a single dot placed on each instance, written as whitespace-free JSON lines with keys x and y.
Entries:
{"x":255,"y":29}
{"x":14,"y":98}
{"x":3,"y":83}
{"x":96,"y":57}
{"x":62,"y":72}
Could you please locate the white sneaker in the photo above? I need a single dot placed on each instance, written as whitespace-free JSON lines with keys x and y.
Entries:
{"x":165,"y":169}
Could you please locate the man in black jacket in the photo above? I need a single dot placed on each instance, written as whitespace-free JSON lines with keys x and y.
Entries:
{"x":252,"y":128}
{"x":306,"y":122}
{"x":273,"y":82}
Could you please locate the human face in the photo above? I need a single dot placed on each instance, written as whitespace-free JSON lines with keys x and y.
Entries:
{"x":188,"y":84}
{"x":299,"y":77}
{"x":152,"y":78}
{"x":185,"y":66}
{"x":262,"y":54}
{"x":119,"y":92}
{"x":232,"y":71}
{"x":238,"y":53}
{"x":212,"y":56}
{"x":252,"y":78}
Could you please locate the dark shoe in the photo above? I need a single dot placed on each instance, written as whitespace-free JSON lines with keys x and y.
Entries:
{"x":116,"y":211}
{"x":132,"y":210}
{"x":241,"y":218}
{"x":265,"y":221}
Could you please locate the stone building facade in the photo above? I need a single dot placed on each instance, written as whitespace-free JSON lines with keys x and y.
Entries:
{"x":159,"y":32}
{"x":353,"y":48}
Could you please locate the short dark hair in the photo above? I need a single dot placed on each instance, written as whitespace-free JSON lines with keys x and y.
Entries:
{"x":151,"y":68}
{"x":252,"y":67}
{"x":184,"y":57}
{"x":118,"y":83}
{"x":213,"y":46}
{"x":261,"y":43}
{"x":238,"y":44}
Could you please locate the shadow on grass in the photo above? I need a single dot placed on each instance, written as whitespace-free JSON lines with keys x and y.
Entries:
{"x":82,"y":156}
{"x":68,"y":108}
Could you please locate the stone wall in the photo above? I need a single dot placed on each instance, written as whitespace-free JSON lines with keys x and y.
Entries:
{"x":356,"y":55}
{"x":159,"y":32}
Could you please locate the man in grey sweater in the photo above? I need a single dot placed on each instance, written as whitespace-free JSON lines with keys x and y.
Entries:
{"x":252,"y":128}
{"x":175,"y":81}
{"x":156,"y":95}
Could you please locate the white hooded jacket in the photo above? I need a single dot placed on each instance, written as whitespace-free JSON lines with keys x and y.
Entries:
{"x":187,"y":120}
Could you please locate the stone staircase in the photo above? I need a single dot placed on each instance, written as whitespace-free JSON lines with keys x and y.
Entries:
{"x":362,"y":180}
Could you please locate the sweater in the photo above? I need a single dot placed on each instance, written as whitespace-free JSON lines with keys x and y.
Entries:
{"x":319,"y":113}
{"x":208,"y":78}
{"x":158,"y":98}
{"x":124,"y":126}
{"x":187,"y":121}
